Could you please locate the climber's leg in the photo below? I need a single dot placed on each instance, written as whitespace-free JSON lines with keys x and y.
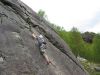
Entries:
{"x":43,"y":51}
{"x":47,"y":59}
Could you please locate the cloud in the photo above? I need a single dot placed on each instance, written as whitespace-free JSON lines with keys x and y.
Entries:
{"x":96,"y":28}
{"x":93,"y":23}
{"x":69,"y":13}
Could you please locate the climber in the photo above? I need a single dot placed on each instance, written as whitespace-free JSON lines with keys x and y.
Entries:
{"x":42,"y":46}
{"x":41,"y":41}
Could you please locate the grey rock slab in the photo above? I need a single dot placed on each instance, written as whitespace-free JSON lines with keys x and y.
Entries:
{"x":19,"y":51}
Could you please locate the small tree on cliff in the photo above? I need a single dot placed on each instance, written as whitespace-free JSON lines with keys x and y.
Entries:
{"x":42,"y":14}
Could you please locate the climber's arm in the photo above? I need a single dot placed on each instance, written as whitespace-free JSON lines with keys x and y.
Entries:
{"x":34,"y":36}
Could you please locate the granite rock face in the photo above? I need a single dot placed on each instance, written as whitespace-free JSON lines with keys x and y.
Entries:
{"x":19,"y":52}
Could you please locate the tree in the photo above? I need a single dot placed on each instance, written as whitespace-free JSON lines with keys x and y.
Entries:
{"x":76,"y":42}
{"x":57,"y":28}
{"x":88,"y":37}
{"x":42,"y":14}
{"x":96,"y":47}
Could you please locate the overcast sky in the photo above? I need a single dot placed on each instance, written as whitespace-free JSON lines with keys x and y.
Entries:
{"x":83,"y":14}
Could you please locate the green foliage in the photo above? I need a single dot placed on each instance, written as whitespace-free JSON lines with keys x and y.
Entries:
{"x":95,"y":73}
{"x":57,"y":28}
{"x":89,"y":52}
{"x":42,"y":14}
{"x":96,"y":47}
{"x":86,"y":50}
{"x":73,"y":38}
{"x":76,"y":42}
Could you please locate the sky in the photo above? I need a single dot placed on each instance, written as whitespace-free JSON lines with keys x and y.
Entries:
{"x":82,"y":14}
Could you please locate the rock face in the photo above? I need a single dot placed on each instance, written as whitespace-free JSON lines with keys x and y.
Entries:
{"x":19,"y":52}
